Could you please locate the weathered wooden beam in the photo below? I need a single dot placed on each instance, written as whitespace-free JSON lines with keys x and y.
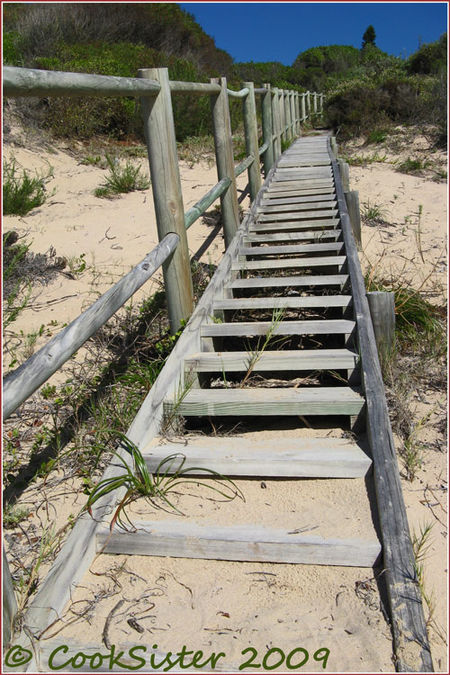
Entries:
{"x":159,"y":132}
{"x":411,"y":647}
{"x":276,"y":124}
{"x":352,"y":201}
{"x":223,"y":144}
{"x":251,"y":139}
{"x":32,"y":82}
{"x":242,"y":166}
{"x":253,"y":328}
{"x":237,"y":542}
{"x":271,"y":401}
{"x":285,"y":360}
{"x":242,"y":93}
{"x":267,"y":127}
{"x":287,"y":282}
{"x":200,"y":207}
{"x":334,"y":146}
{"x":345,"y":174}
{"x":303,"y":107}
{"x":289,"y":457}
{"x":193,"y":87}
{"x":382,"y":312}
{"x":20,"y":384}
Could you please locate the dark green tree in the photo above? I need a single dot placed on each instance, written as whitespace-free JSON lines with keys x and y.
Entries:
{"x":369,"y":36}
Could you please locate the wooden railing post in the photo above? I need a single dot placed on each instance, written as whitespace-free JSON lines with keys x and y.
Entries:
{"x":352,"y":201}
{"x":382,"y":312}
{"x":276,"y":124}
{"x":223,"y":143}
{"x":293,"y":119}
{"x":268,"y":128}
{"x":167,"y":195}
{"x":251,"y":139}
{"x":345,"y":174}
{"x":308,"y":103}
{"x":287,"y":116}
{"x":315,"y":103}
{"x":303,"y":107}
{"x":298,"y":116}
{"x":282,"y":114}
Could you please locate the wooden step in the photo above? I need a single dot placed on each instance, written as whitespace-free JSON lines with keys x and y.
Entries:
{"x":282,"y":201}
{"x":324,"y":203}
{"x":300,"y":248}
{"x":284,"y":302}
{"x":286,"y":263}
{"x":315,"y":235}
{"x":308,"y":224}
{"x":304,"y":162}
{"x":286,"y":360}
{"x":253,"y":543}
{"x":269,"y":195}
{"x":280,"y":282}
{"x":302,"y":172}
{"x":270,"y":401}
{"x":251,"y":328}
{"x":288,"y":457}
{"x":302,"y":214}
{"x":296,"y":185}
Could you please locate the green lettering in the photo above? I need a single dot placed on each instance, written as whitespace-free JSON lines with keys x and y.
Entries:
{"x":61,"y":648}
{"x":137,"y":658}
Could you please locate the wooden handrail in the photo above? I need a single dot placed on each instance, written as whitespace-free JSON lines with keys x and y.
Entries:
{"x":20,"y":384}
{"x":200,"y":207}
{"x":32,"y":82}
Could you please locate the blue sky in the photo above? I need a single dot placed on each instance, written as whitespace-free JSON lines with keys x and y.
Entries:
{"x":279,"y":31}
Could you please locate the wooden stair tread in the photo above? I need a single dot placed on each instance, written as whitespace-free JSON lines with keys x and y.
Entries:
{"x":323,"y":203}
{"x":321,"y":212}
{"x":315,"y":235}
{"x":270,"y":401}
{"x":288,"y":193}
{"x":289,"y":359}
{"x":306,"y":280}
{"x":288,"y":457}
{"x":284,"y":302}
{"x":295,"y":224}
{"x":285,"y":263}
{"x":309,"y":327}
{"x":251,"y":542}
{"x":323,"y":195}
{"x":291,"y":248}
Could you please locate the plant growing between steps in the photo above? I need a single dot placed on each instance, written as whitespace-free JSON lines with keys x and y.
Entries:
{"x":256,"y":354}
{"x":154,"y":487}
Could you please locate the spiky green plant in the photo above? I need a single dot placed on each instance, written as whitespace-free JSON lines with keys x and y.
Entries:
{"x":21,"y":192}
{"x":138,"y":481}
{"x":121,"y":178}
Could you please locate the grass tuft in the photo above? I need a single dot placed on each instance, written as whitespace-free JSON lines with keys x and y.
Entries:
{"x":21,"y":192}
{"x":122,"y":179}
{"x":154,"y":487}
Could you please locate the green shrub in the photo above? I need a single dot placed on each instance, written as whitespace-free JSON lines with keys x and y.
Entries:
{"x":21,"y":193}
{"x":126,"y":178}
{"x":12,"y":49}
{"x":429,"y":58}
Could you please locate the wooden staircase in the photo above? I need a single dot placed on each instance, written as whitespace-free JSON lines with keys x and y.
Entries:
{"x":282,"y":324}
{"x":281,"y":342}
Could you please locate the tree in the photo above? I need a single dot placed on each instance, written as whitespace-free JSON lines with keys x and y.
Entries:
{"x":369,"y":36}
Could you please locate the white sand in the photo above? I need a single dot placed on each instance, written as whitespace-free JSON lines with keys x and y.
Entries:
{"x":225,"y":606}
